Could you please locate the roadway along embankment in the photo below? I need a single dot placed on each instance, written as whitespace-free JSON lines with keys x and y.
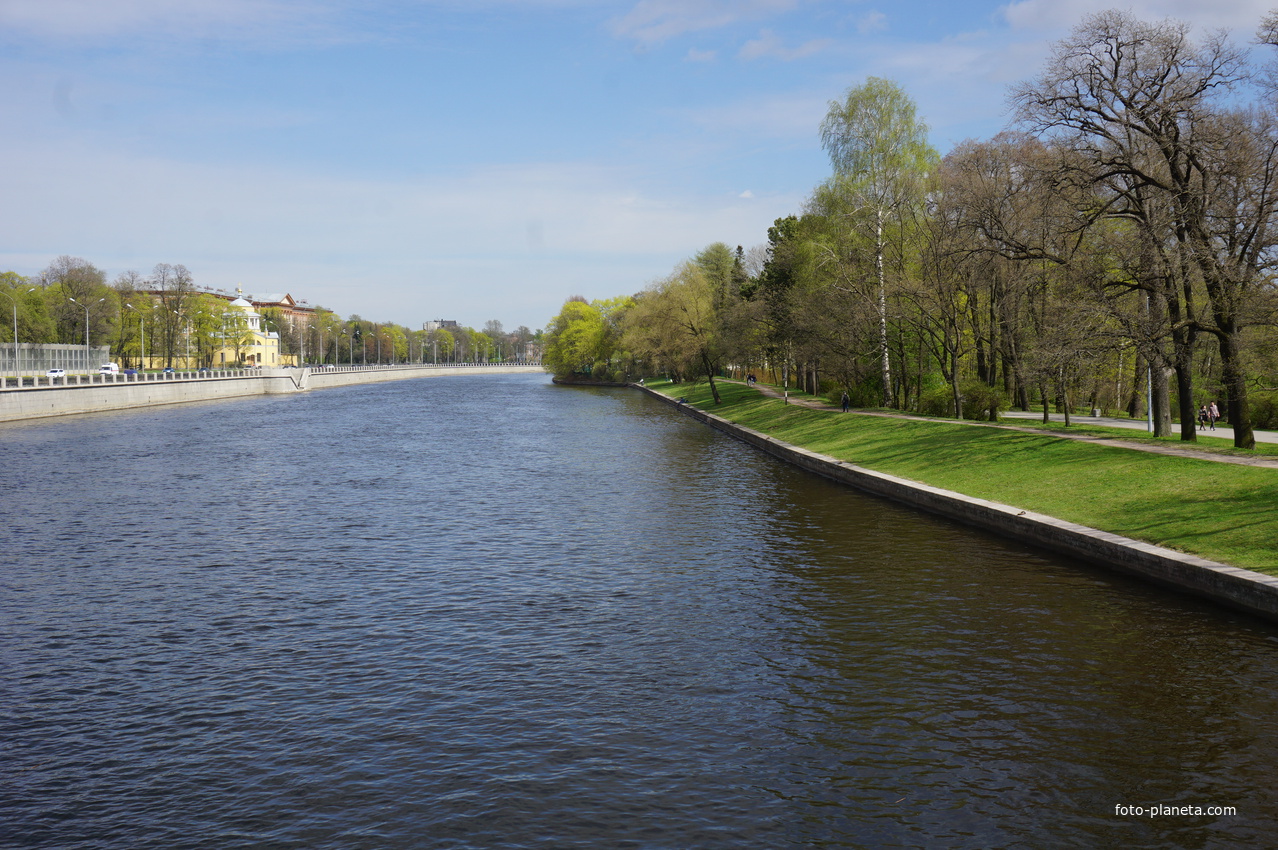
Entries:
{"x":1235,"y":587}
{"x":120,"y":394}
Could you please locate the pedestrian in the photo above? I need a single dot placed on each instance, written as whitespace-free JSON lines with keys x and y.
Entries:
{"x":1213,"y":414}
{"x":1202,"y":418}
{"x":846,"y":402}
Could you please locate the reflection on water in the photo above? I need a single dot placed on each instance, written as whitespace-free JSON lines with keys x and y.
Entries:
{"x":490,"y":612}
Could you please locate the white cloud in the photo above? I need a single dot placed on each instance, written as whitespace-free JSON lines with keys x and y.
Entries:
{"x":769,"y":46}
{"x":873,"y":21}
{"x":654,"y":21}
{"x":1063,"y":15}
{"x":789,"y":115}
{"x":83,"y":19}
{"x":502,"y":235}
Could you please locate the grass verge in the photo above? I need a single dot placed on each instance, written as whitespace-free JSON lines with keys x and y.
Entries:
{"x":1219,"y":511}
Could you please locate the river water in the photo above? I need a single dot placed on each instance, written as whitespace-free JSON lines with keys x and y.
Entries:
{"x":490,"y":612}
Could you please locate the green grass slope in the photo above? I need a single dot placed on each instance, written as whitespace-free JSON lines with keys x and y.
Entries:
{"x":1219,"y":511}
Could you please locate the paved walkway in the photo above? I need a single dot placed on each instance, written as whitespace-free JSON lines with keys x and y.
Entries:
{"x":1176,"y":450}
{"x":1221,"y":431}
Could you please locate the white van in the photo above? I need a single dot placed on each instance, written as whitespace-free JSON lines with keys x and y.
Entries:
{"x":109,"y":369}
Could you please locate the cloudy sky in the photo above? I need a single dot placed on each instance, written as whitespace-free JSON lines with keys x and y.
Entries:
{"x":466,"y":159}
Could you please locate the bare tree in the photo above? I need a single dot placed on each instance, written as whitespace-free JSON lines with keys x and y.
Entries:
{"x":1148,"y":111}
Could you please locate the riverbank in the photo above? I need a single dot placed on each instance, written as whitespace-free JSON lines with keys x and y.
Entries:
{"x":99,"y":393}
{"x":1188,"y":523}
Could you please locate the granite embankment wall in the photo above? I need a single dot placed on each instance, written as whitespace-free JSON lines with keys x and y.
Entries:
{"x":102,"y":393}
{"x":1242,"y":589}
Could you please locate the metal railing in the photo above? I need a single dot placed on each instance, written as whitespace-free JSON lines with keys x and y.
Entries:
{"x":34,"y":382}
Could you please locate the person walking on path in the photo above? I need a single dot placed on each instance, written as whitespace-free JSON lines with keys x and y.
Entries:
{"x":1212,"y":415}
{"x":1202,"y":418}
{"x":846,"y":402}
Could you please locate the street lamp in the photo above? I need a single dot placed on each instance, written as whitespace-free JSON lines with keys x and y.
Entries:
{"x":142,"y":319}
{"x":86,"y":330}
{"x":14,"y":299}
{"x":186,"y":365}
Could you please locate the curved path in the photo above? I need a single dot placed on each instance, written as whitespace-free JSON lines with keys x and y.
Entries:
{"x":1153,"y":448}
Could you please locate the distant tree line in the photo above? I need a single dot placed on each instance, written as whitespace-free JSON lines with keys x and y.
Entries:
{"x":164,"y":316}
{"x":1113,"y":248}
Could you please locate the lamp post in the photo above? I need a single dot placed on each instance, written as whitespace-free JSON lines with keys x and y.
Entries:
{"x":142,"y":319}
{"x":14,"y":299}
{"x":186,"y":365}
{"x":86,"y":330}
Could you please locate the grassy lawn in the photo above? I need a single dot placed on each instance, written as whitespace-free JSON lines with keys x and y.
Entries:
{"x":1219,"y":511}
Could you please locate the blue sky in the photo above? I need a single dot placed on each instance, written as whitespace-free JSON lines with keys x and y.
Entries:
{"x":418,"y":159}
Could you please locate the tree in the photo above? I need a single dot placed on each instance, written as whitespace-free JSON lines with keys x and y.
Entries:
{"x":581,"y":340}
{"x":1152,"y":116}
{"x":881,"y":157}
{"x":174,"y":287}
{"x":442,"y":343}
{"x":675,"y":322}
{"x":68,"y":278}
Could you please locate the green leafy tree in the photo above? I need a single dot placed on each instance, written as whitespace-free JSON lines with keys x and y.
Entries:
{"x":576,"y":338}
{"x":881,"y":160}
{"x":675,"y":322}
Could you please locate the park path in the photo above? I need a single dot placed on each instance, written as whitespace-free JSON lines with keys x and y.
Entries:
{"x":1152,"y":448}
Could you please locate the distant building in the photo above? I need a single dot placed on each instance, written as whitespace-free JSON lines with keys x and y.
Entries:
{"x":294,"y":312}
{"x":257,"y":346}
{"x":438,"y":324}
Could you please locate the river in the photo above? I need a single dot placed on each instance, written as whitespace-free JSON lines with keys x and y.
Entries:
{"x":488,"y":612}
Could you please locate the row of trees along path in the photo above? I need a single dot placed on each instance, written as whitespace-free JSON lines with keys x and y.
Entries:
{"x":1115,"y":248}
{"x":1117,"y":442}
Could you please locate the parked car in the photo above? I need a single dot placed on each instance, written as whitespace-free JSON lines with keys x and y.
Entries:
{"x":168,"y":370}
{"x":130,"y":371}
{"x":56,"y":373}
{"x":109,"y":369}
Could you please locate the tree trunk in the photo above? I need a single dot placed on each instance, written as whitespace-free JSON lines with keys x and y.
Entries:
{"x":1234,"y":379}
{"x":1162,"y":403}
{"x":714,"y":390}
{"x":1139,"y":377}
{"x":883,"y":334}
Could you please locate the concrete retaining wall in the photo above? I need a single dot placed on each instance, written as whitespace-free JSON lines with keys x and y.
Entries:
{"x":1242,"y":589}
{"x":122,"y":393}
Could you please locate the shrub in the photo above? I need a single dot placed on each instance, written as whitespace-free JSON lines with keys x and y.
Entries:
{"x":1264,"y":411}
{"x":937,"y":401}
{"x":981,"y":402}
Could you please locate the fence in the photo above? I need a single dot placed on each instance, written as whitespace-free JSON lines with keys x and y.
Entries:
{"x":34,"y":359}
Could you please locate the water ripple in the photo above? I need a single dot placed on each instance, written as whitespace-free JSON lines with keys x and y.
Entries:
{"x":483,"y":613}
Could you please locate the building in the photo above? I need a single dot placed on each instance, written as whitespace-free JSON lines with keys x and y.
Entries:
{"x":249,"y":344}
{"x":296,"y":313}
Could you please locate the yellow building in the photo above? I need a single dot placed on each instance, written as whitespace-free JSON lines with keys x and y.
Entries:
{"x":245,"y":341}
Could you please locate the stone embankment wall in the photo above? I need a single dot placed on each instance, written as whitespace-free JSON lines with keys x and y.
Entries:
{"x":1242,"y":589}
{"x":121,"y":392}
